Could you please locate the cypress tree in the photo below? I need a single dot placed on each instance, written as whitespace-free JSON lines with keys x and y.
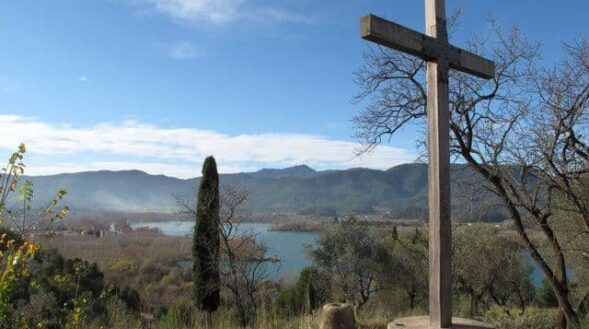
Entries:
{"x":395,"y":233}
{"x":205,"y":247}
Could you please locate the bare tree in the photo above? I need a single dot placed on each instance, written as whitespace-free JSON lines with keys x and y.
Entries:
{"x":524,"y":132}
{"x":245,"y":265}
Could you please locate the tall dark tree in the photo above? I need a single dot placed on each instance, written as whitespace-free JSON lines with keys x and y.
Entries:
{"x":205,"y":246}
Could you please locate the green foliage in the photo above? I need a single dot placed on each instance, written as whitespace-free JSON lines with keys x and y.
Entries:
{"x":9,"y":176}
{"x":545,"y":295}
{"x":402,"y":190}
{"x":352,"y":259}
{"x":303,"y":297}
{"x":47,"y":291}
{"x":38,"y":287}
{"x":25,"y":194}
{"x":490,"y":268}
{"x":131,"y":298}
{"x":116,"y":315}
{"x":409,"y":252}
{"x":206,"y":240}
{"x":9,"y":179}
{"x":15,"y":259}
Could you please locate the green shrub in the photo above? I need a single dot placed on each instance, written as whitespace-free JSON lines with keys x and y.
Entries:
{"x":131,"y":298}
{"x":300,"y":298}
{"x":545,"y":295}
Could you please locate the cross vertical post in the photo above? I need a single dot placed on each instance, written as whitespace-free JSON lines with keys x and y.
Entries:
{"x":441,"y":56}
{"x":440,"y":240}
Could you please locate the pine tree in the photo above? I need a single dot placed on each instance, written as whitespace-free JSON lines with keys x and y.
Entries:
{"x":206,"y":241}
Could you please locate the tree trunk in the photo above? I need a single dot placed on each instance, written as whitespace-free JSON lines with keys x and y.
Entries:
{"x":474,"y":304}
{"x":567,"y":314}
{"x":412,"y":297}
{"x":561,"y":321}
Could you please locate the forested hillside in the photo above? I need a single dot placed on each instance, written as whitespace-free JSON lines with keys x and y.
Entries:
{"x":400,"y":191}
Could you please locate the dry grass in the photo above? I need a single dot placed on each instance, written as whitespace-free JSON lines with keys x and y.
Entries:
{"x":106,"y":250}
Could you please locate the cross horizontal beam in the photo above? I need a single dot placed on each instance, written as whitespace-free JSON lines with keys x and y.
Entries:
{"x":395,"y":36}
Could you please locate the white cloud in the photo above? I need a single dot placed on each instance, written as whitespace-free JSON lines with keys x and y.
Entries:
{"x":154,"y":168}
{"x":83,"y":78}
{"x":183,"y":50}
{"x":276,"y":15}
{"x":221,"y":11}
{"x":215,"y":11}
{"x":174,"y":151}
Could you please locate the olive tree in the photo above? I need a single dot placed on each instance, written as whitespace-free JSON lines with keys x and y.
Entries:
{"x":489,"y":268}
{"x":410,"y":270}
{"x":352,"y":258}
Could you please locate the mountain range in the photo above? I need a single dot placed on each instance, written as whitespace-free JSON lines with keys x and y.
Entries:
{"x":401,"y":191}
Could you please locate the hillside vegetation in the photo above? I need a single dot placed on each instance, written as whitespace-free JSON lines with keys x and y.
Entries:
{"x":399,"y":192}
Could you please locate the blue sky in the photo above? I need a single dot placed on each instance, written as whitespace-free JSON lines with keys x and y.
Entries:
{"x":159,"y":84}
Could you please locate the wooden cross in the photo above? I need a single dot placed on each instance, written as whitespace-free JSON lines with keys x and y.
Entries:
{"x":434,"y":48}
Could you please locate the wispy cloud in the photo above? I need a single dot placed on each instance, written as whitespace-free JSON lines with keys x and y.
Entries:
{"x":276,"y":15}
{"x":221,"y":12}
{"x":172,"y":151}
{"x":214,"y":11}
{"x":183,"y":50}
{"x":83,"y":78}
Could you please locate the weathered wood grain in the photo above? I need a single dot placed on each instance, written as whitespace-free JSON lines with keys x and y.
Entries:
{"x":398,"y":37}
{"x":433,"y":46}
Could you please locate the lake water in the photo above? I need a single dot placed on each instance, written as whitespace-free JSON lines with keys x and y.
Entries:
{"x":289,"y":247}
{"x":536,"y":276}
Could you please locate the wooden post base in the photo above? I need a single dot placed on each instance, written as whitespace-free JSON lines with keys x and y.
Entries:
{"x":422,"y":322}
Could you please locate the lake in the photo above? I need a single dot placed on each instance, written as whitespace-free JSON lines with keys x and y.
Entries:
{"x":288,"y":246}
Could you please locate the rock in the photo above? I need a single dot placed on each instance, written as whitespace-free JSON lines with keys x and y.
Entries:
{"x":337,"y":316}
{"x":422,"y":322}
